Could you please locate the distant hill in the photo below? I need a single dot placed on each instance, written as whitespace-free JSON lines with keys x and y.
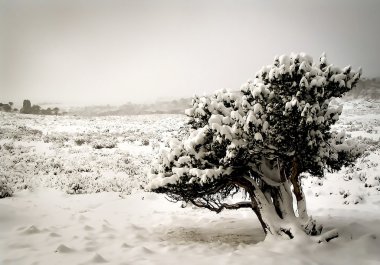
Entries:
{"x":160,"y":107}
{"x":366,"y":88}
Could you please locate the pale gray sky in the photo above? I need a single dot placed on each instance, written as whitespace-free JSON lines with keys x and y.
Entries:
{"x":113,"y":51}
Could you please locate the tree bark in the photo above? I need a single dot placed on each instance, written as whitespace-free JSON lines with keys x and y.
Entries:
{"x":297,"y":190}
{"x":276,"y":213}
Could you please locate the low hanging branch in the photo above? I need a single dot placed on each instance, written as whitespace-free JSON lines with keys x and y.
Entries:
{"x":221,"y":207}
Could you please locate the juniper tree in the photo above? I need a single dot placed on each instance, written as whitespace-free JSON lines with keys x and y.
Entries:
{"x":261,"y":139}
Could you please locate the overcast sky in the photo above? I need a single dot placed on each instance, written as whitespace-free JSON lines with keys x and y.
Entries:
{"x":78,"y":51}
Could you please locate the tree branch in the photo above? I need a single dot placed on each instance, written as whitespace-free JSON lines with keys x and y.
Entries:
{"x":221,"y":207}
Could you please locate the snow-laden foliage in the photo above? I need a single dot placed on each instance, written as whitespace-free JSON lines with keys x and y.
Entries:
{"x":283,"y":114}
{"x":261,"y":137}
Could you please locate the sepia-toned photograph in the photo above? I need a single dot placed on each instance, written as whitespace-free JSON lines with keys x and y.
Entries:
{"x":190,"y":132}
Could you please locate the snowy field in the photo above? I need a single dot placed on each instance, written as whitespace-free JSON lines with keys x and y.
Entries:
{"x":78,"y":198}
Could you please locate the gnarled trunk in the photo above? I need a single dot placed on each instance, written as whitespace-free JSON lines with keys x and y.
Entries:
{"x":274,"y":207}
{"x":276,"y":213}
{"x":273,"y":204}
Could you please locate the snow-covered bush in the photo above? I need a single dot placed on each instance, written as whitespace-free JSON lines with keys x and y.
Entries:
{"x":79,"y":141}
{"x":145,"y":141}
{"x":104,"y":143}
{"x":44,"y":151}
{"x":23,"y":132}
{"x":75,"y":188}
{"x":5,"y":190}
{"x":60,"y":139}
{"x":262,"y":139}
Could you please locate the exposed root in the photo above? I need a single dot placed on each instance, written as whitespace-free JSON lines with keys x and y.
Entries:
{"x":287,"y":232}
{"x":328,"y":236}
{"x":311,"y":227}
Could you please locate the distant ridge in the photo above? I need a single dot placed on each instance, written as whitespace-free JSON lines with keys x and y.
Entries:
{"x":366,"y":88}
{"x":160,"y":107}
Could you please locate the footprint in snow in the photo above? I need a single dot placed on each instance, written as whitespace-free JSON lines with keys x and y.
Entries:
{"x":125,"y":245}
{"x":142,"y":250}
{"x":19,"y":245}
{"x":98,"y":259}
{"x":136,"y":227}
{"x":82,"y":218}
{"x":63,"y":249}
{"x":106,"y":228}
{"x":52,"y":234}
{"x":90,"y":249}
{"x":110,"y":236}
{"x":31,"y":230}
{"x":146,"y":250}
{"x":88,"y":228}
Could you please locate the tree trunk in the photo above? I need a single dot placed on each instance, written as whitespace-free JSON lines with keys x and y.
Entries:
{"x":277,"y":215}
{"x":297,"y":191}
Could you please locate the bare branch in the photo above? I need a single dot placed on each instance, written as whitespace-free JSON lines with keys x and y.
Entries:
{"x":221,"y":207}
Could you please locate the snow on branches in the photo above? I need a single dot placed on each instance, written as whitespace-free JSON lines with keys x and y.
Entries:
{"x":261,"y":139}
{"x":282,"y":114}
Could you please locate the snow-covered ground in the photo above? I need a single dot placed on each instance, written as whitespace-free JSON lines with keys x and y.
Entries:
{"x":77,"y":199}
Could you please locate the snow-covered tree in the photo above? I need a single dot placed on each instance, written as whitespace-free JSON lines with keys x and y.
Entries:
{"x":262,"y":139}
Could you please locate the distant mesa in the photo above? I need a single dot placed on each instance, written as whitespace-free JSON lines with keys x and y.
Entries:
{"x":159,"y":107}
{"x":367,"y":88}
{"x":28,"y":108}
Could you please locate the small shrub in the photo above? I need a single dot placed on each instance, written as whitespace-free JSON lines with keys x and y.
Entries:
{"x":75,"y":188}
{"x":145,"y":142}
{"x":79,"y":141}
{"x":103,"y":144}
{"x":5,"y":191}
